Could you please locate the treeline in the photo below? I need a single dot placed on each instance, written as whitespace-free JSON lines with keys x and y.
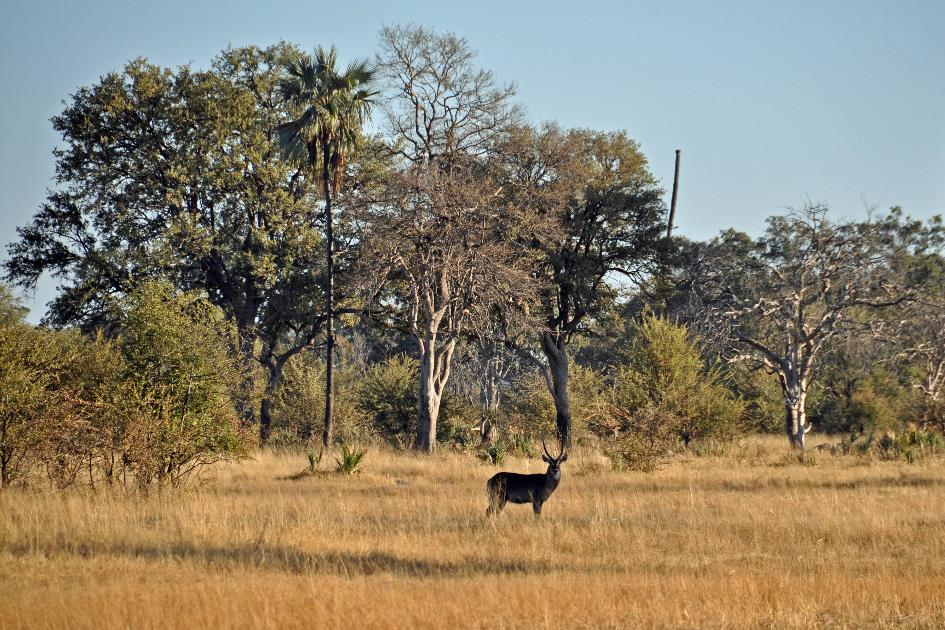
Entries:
{"x":486,"y":280}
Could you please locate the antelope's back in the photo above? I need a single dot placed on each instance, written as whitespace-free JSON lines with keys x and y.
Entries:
{"x":516,"y":487}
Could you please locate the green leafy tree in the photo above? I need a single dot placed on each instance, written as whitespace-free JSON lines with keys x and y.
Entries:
{"x":177,"y":174}
{"x":334,"y":105}
{"x":604,"y":219}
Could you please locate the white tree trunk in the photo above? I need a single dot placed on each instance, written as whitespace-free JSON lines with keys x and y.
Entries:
{"x":434,"y":372}
{"x":795,"y":420}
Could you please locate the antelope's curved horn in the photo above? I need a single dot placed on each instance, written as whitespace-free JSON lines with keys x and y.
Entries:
{"x":545,"y":447}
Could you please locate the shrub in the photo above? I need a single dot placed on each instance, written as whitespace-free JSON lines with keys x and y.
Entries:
{"x":186,"y":376}
{"x":639,"y":441}
{"x":665,"y":371}
{"x":387,"y":395}
{"x":913,"y":444}
{"x":158,"y":403}
{"x":31,"y":368}
{"x":299,"y":409}
{"x":497,"y":452}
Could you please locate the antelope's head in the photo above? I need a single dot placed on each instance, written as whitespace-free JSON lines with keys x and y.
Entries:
{"x":554,"y":463}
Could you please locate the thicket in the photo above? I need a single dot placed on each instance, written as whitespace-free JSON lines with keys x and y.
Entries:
{"x":155,"y":402}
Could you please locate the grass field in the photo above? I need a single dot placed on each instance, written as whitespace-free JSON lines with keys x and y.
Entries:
{"x":748,"y":539}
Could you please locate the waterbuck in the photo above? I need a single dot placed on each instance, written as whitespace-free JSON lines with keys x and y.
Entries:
{"x":534,"y":489}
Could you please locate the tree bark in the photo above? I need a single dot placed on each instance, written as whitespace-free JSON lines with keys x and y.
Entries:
{"x":489,"y":404}
{"x":795,"y":419}
{"x":329,"y":300}
{"x":556,"y":378}
{"x":428,"y":403}
{"x":265,"y":409}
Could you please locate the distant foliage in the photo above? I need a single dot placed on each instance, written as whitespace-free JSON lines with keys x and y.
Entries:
{"x":871,"y":398}
{"x":761,"y":393}
{"x":388,"y":397}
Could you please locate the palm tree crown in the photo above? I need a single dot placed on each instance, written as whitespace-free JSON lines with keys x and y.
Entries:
{"x":334,"y":106}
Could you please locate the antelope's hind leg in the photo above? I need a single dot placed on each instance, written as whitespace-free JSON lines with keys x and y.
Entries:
{"x":496,"y":499}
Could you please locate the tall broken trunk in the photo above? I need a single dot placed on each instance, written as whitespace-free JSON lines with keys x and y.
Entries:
{"x":275,"y":369}
{"x":556,"y":378}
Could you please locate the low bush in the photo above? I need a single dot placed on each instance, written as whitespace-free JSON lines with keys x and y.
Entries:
{"x":155,"y":404}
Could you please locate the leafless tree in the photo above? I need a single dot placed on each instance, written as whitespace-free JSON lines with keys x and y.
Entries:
{"x":441,"y":235}
{"x":807,"y":281}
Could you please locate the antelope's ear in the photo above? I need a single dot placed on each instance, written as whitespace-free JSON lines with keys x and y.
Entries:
{"x":545,"y":459}
{"x":563,"y":459}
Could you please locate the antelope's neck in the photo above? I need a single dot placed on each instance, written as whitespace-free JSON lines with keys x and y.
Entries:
{"x":551,"y":482}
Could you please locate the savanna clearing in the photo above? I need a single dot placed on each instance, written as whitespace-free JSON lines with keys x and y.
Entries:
{"x":749,"y":538}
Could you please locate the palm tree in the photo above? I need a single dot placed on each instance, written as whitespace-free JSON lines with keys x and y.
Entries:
{"x":334,"y":107}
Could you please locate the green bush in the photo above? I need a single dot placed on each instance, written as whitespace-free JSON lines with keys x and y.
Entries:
{"x":180,"y":356}
{"x":387,"y":396}
{"x":33,"y":366}
{"x":299,"y":409}
{"x":640,"y":441}
{"x":157,"y":404}
{"x":665,"y":371}
{"x":497,"y":452}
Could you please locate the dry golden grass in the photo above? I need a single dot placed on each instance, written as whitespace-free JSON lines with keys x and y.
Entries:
{"x":742,"y":540}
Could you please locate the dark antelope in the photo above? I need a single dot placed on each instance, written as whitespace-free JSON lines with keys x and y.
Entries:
{"x":534,"y":489}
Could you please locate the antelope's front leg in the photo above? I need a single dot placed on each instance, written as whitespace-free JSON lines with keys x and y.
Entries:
{"x":536,"y":506}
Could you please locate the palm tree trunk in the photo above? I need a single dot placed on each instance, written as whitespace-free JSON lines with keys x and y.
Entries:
{"x":329,"y":298}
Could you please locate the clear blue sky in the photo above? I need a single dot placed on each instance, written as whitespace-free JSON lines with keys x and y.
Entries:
{"x":771,"y":103}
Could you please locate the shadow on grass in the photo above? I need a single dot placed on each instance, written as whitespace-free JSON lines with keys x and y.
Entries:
{"x":291,"y":560}
{"x":776,"y":483}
